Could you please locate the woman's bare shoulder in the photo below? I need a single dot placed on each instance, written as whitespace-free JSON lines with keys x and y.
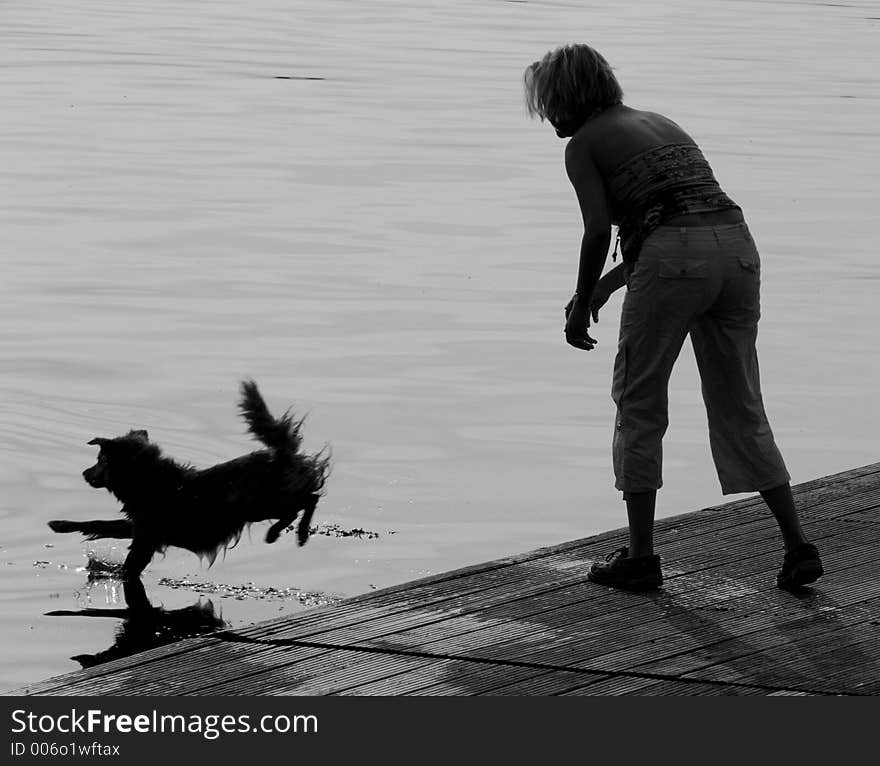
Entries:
{"x":623,"y":132}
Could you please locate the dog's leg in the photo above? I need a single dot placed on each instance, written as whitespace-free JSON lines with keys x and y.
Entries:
{"x":303,"y":528}
{"x":120,"y":529}
{"x":140,"y":553}
{"x":135,"y":596}
{"x":279,"y":526}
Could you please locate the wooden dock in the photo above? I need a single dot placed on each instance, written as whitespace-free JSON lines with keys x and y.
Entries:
{"x":533,"y":625}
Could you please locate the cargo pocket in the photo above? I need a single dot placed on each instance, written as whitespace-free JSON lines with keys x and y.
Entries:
{"x":683,"y":268}
{"x":750,"y":285}
{"x":618,"y":388}
{"x":618,"y":382}
{"x":748,"y":257}
{"x":750,"y":263}
{"x":636,"y":274}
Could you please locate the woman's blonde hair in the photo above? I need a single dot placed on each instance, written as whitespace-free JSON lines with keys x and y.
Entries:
{"x":569,"y":85}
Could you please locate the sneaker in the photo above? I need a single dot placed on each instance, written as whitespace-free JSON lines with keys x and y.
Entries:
{"x":620,"y":571}
{"x":801,"y":566}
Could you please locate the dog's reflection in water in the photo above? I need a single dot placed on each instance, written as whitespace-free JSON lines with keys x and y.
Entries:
{"x":145,"y":626}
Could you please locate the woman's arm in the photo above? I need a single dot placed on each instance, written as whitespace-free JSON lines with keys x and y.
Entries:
{"x":614,"y":279}
{"x":610,"y":283}
{"x":590,"y":190}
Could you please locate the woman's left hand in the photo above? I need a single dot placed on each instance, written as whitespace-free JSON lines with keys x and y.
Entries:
{"x":577,"y":322}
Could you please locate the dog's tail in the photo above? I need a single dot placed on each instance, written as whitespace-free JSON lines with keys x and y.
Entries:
{"x":280,"y":434}
{"x":283,"y":436}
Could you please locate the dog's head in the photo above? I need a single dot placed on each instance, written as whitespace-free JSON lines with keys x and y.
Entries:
{"x":116,"y":459}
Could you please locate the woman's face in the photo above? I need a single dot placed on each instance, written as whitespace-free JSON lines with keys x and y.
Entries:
{"x":565,"y":128}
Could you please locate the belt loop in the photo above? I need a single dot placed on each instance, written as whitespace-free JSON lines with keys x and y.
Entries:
{"x":682,"y":234}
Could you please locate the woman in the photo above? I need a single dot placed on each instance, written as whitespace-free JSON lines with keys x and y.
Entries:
{"x":690,"y":267}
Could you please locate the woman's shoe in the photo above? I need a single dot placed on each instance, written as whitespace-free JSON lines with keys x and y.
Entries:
{"x":800,"y":566}
{"x":620,"y":571}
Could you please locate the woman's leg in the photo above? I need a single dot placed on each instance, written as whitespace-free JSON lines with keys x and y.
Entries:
{"x":640,"y":516}
{"x":653,"y":326}
{"x":743,"y":448}
{"x":724,"y":337}
{"x":667,"y":288}
{"x":781,"y":504}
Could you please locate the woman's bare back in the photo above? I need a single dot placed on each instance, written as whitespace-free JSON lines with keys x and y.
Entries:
{"x":621,"y":132}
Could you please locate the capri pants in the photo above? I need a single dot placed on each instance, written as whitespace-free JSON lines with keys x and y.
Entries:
{"x":703,"y":281}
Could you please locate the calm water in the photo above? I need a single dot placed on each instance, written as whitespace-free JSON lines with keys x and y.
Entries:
{"x":385,"y":241}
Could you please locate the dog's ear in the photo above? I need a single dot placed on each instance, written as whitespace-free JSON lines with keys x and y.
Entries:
{"x":140,"y":434}
{"x":98,"y":442}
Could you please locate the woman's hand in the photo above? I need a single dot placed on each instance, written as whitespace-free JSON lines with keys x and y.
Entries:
{"x":577,"y":322}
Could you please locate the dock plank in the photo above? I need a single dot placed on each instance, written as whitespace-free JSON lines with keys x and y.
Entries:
{"x":531,"y":624}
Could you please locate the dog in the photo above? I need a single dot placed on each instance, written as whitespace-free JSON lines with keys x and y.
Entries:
{"x":168,"y":504}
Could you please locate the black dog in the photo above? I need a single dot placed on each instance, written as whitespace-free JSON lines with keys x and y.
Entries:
{"x":168,"y":504}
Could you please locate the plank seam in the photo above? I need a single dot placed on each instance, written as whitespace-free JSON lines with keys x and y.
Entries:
{"x":534,"y":665}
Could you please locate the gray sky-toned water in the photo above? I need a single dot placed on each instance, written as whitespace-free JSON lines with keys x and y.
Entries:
{"x":385,"y":241}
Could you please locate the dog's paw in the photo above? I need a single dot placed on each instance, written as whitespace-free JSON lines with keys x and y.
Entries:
{"x":62,"y":526}
{"x":272,"y":535}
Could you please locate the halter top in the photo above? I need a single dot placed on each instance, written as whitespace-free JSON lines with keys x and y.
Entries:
{"x":659,"y":184}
